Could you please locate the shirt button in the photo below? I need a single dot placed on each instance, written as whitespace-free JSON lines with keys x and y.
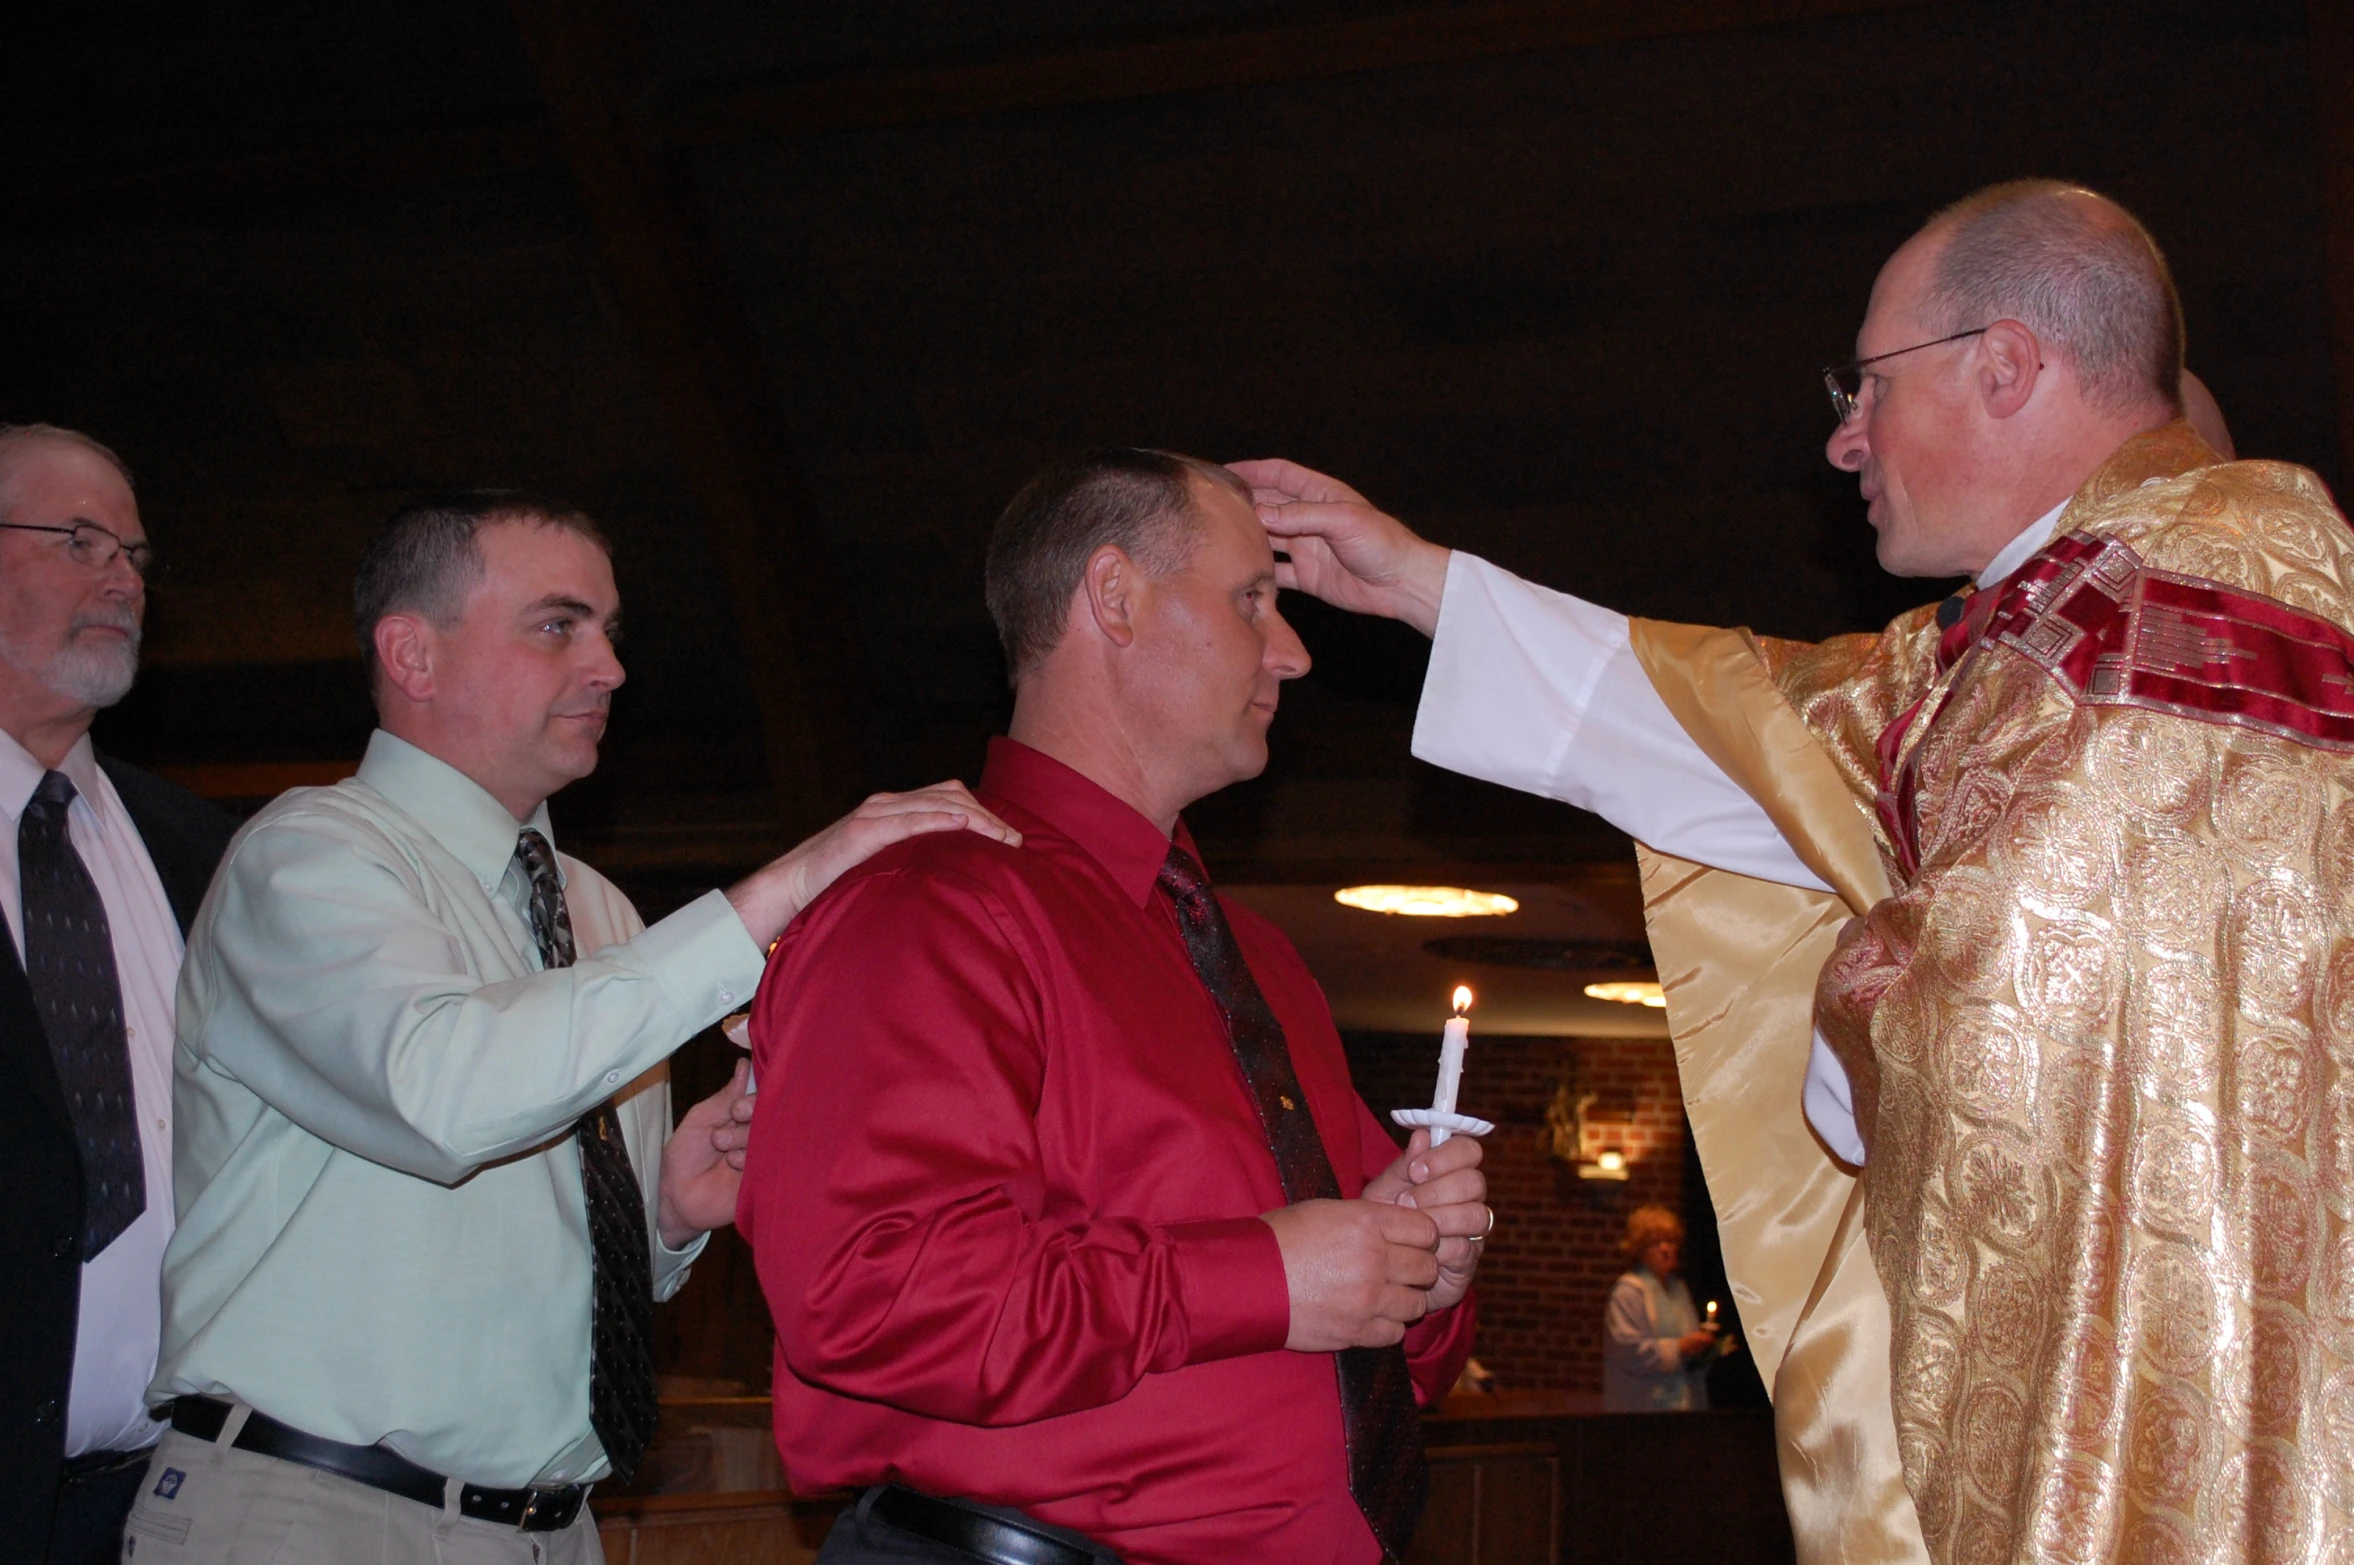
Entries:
{"x":66,"y":1246}
{"x":46,"y":1413}
{"x":612,"y":1078}
{"x":727,"y":996}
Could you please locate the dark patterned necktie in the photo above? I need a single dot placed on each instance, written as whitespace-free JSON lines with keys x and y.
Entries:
{"x":1386,"y":1472}
{"x":621,"y":1347}
{"x":69,"y":962}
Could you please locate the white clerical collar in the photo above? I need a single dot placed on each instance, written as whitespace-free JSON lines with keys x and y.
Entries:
{"x":2014,"y":554}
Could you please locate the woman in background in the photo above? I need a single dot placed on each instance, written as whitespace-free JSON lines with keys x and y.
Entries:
{"x":1654,"y":1346}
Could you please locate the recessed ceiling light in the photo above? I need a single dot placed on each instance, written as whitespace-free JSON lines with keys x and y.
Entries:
{"x":1426,"y":901}
{"x":1629,"y":994}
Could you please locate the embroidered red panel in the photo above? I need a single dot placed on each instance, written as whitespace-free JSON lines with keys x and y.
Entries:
{"x":2117,"y":633}
{"x":2114,"y":632}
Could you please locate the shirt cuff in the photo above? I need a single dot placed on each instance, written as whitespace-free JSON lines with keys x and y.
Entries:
{"x":1230,"y":1277}
{"x":670,"y":1266}
{"x":704,"y":958}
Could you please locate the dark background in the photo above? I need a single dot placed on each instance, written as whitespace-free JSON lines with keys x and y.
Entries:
{"x":793,"y":297}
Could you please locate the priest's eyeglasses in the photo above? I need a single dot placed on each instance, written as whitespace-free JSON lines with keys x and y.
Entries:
{"x":93,"y":547}
{"x":1846,"y":383}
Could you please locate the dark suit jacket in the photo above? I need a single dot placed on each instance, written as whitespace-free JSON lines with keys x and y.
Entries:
{"x":41,"y":1175}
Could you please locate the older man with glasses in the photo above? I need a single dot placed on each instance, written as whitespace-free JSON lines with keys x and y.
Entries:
{"x":101,"y":869}
{"x":2040,"y":901}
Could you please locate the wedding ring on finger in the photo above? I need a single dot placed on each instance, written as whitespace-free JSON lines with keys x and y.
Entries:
{"x":1482,"y":1235}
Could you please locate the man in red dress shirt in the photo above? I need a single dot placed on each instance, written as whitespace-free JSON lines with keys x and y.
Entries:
{"x":1079,"y":1242}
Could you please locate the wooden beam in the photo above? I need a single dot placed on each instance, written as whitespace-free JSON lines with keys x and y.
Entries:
{"x":255,"y":779}
{"x":2331,"y":45}
{"x":680,"y":305}
{"x":311,"y":172}
{"x":902,"y":92}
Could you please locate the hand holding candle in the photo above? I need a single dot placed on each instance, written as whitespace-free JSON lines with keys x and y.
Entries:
{"x":1718,"y":1346}
{"x":1440,"y":1118}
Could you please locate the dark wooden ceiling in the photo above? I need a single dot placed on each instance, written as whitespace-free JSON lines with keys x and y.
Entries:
{"x":794,"y":296}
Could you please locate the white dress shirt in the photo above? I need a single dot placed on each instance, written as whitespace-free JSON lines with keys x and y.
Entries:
{"x":1543,"y":692}
{"x":120,"y":1319}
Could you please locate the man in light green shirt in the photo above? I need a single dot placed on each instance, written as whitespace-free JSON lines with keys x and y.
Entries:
{"x":406,"y":1309}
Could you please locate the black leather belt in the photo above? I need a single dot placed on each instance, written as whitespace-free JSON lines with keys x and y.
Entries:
{"x":94,"y":1465}
{"x":529,"y":1510}
{"x":999,"y":1536}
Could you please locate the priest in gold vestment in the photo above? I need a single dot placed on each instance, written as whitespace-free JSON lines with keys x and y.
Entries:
{"x":2039,"y":901}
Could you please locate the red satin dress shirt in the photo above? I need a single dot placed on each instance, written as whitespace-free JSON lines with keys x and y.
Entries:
{"x":1004,"y":1192}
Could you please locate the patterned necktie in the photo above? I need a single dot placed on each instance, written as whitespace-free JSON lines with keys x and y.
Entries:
{"x":1384,"y":1431}
{"x":69,"y":962}
{"x":621,"y":1346}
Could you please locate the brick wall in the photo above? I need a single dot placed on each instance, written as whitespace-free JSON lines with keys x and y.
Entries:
{"x":1554,"y":1256}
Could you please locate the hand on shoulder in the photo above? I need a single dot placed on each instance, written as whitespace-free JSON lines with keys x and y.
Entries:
{"x":772,"y":897}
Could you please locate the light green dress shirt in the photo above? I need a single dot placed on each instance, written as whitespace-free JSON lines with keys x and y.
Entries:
{"x":381,"y":1234}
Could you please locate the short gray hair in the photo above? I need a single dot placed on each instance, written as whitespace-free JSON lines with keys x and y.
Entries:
{"x":425,"y":558}
{"x":2079,"y":271}
{"x":1137,"y":499}
{"x":15,"y":438}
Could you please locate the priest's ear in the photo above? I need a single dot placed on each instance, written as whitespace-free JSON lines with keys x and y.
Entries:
{"x":2010,"y":363}
{"x":1108,"y":593}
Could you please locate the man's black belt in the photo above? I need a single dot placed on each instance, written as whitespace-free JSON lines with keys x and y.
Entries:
{"x":529,"y":1510}
{"x":93,"y":1465}
{"x":998,"y":1536}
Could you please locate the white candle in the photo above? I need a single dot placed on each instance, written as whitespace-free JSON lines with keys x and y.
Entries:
{"x":1451,"y":1045}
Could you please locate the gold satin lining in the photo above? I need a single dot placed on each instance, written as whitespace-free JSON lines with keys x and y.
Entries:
{"x":1716,"y":685}
{"x":1739,"y":959}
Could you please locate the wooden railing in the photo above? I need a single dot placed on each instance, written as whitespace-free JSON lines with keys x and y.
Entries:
{"x":1530,"y":1479}
{"x":1550,"y":1479}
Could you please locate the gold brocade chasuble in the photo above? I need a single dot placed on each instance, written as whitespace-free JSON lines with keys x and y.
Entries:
{"x":2093,"y":1295}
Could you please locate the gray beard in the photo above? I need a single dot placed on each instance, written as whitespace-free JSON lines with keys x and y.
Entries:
{"x":88,"y":673}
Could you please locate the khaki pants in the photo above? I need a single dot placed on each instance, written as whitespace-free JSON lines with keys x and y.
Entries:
{"x":205,"y":1504}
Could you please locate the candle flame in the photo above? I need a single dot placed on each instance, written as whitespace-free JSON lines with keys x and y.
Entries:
{"x":1462,"y":998}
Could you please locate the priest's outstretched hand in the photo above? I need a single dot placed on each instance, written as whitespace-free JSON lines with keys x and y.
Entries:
{"x":1342,"y":547}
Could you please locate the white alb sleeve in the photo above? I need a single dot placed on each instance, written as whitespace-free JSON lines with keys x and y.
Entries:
{"x":1830,"y":1103}
{"x":1542,"y":692}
